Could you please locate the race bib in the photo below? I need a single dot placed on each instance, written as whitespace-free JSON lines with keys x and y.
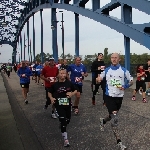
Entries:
{"x":142,"y":78}
{"x":63,"y":101}
{"x":116,"y":83}
{"x":51,"y":79}
{"x":7,"y":69}
{"x":78,"y":79}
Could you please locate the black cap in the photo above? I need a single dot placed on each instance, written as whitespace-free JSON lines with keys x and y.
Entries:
{"x":100,"y":54}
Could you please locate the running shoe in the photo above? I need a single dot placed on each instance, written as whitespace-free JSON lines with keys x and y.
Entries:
{"x":42,"y":84}
{"x":76,"y":111}
{"x":54,"y":116}
{"x":144,"y":100}
{"x":140,"y":92}
{"x":98,"y":93}
{"x":66,"y":143}
{"x":102,"y":124}
{"x":133,"y":98}
{"x":121,"y":146}
{"x":26,"y":102}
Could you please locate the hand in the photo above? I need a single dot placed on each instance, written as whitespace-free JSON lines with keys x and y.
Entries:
{"x":69,"y":94}
{"x":23,"y":75}
{"x":99,"y":68}
{"x":121,"y":88}
{"x":47,"y":80}
{"x":98,"y":79}
{"x":82,"y":73}
{"x":53,"y":100}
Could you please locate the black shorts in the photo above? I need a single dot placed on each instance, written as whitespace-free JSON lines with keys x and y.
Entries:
{"x":113,"y":103}
{"x":140,"y":84}
{"x":36,"y":74}
{"x":78,"y":87}
{"x":64,"y":111}
{"x":24,"y":85}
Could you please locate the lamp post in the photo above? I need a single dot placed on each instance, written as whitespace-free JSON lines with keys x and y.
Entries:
{"x":62,"y":28}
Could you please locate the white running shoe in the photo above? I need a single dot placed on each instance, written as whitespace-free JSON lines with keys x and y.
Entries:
{"x":66,"y":143}
{"x":140,"y":92}
{"x":54,"y":116}
{"x":121,"y":146}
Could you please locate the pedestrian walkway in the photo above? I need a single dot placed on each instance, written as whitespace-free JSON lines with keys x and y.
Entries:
{"x":9,"y":134}
{"x":83,"y":131}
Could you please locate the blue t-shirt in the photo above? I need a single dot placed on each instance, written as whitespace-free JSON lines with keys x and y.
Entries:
{"x":76,"y":76}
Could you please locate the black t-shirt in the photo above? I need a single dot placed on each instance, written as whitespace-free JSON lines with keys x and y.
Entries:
{"x":147,"y":67}
{"x":64,"y":66}
{"x":59,"y":90}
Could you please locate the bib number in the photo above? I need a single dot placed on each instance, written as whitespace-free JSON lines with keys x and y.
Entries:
{"x":51,"y":79}
{"x":78,"y":79}
{"x":63,"y":101}
{"x":116,"y":83}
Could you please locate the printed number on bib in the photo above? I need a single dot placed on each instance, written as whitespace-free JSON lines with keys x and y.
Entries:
{"x":78,"y":79}
{"x":116,"y":82}
{"x":63,"y":101}
{"x":51,"y":79}
{"x":142,"y":78}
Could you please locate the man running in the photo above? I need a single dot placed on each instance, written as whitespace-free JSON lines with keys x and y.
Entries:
{"x":8,"y":68}
{"x":97,"y":67}
{"x":77,"y":71}
{"x":60,"y":95}
{"x":39,"y":70}
{"x":147,"y":70}
{"x":64,"y":65}
{"x":117,"y":80}
{"x":49,"y":74}
{"x":24,"y":73}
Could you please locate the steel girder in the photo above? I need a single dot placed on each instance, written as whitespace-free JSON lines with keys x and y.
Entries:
{"x":139,"y":33}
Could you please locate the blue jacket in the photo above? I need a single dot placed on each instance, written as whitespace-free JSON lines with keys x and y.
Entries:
{"x":38,"y":69}
{"x":25,"y":71}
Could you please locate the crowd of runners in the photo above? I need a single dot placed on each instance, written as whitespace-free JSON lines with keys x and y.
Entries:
{"x":62,"y":81}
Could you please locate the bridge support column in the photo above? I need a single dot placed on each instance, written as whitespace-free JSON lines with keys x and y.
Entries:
{"x":28,"y":38}
{"x":33,"y":39}
{"x":42,"y":58}
{"x":21,"y":45}
{"x":24,"y":47}
{"x":95,"y":4}
{"x":127,"y":18}
{"x":54,"y":34}
{"x":76,"y":34}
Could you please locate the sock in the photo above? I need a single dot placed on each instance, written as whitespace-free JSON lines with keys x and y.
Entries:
{"x":64,"y":135}
{"x":118,"y":141}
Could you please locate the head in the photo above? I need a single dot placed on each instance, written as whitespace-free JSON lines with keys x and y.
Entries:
{"x":51,"y":62}
{"x":23,"y":64}
{"x":140,"y":66}
{"x":62,"y":74}
{"x":77,"y":61}
{"x":148,"y":61}
{"x":65,"y":62}
{"x":100,"y":56}
{"x":115,"y":59}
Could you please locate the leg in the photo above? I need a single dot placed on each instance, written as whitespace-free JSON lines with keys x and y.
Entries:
{"x":48,"y":102}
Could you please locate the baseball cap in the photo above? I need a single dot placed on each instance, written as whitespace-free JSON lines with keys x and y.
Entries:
{"x":51,"y":58}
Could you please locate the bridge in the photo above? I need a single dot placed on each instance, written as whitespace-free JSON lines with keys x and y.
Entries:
{"x":137,"y":32}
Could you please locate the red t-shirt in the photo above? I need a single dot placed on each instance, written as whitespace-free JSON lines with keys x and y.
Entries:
{"x":51,"y":74}
{"x":141,"y":78}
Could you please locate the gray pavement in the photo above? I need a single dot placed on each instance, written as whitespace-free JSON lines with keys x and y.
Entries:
{"x":83,"y":131}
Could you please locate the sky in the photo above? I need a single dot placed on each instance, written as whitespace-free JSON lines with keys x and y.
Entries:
{"x":94,"y":36}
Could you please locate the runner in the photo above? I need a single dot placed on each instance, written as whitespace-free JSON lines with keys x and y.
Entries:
{"x":147,"y":71}
{"x":60,"y":95}
{"x":49,"y":74}
{"x":77,"y":71}
{"x":8,"y":69}
{"x":39,"y":70}
{"x":117,"y":80}
{"x":36,"y":72}
{"x":64,"y":65}
{"x":24,"y":73}
{"x":97,"y":67}
{"x":140,"y":82}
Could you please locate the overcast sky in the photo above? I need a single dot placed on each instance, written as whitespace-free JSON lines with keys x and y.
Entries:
{"x":94,"y":36}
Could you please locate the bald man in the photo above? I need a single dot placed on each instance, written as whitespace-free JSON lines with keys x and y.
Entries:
{"x":117,"y":80}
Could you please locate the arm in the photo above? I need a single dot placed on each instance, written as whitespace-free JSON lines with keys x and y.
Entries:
{"x":85,"y":72}
{"x":29,"y":73}
{"x":129,"y":79}
{"x":73,"y":91}
{"x":42,"y":75}
{"x":50,"y":91}
{"x":101,"y":76}
{"x":68,"y":70}
{"x":18,"y":73}
{"x":94,"y":67}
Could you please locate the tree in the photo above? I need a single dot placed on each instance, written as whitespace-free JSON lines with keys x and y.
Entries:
{"x":106,"y":55}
